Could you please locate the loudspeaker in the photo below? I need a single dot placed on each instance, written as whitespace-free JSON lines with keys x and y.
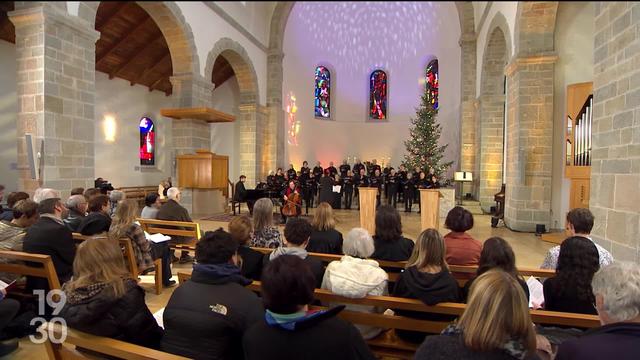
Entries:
{"x":494,"y":221}
{"x":32,"y":158}
{"x":540,"y":229}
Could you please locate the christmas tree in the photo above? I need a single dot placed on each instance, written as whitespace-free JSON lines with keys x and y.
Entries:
{"x":423,"y":150}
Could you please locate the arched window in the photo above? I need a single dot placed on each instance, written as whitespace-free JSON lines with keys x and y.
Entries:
{"x":147,"y":142}
{"x":433,"y":83}
{"x":378,"y":95}
{"x":323,"y":93}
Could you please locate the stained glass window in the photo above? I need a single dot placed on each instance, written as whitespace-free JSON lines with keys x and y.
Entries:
{"x":378,"y":95}
{"x":147,"y":142}
{"x":323,"y":92}
{"x":433,"y":83}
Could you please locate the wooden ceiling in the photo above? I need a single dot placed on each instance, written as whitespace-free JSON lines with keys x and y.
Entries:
{"x":7,"y":30}
{"x":222,"y":71}
{"x":132,"y":47}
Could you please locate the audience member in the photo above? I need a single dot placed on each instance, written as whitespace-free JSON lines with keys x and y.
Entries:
{"x":290,"y":330}
{"x":462,"y":249}
{"x":43,"y":194}
{"x":1,"y":194}
{"x":426,"y":278}
{"x":8,"y":310}
{"x":389,"y":243}
{"x":325,"y":238}
{"x":497,"y":253}
{"x":265,"y":235}
{"x":91,"y":192}
{"x":12,"y":199}
{"x":207,"y":316}
{"x":114,"y":198}
{"x":49,"y":236}
{"x":124,"y":226}
{"x":495,"y":324}
{"x":77,"y":191}
{"x":570,"y":290}
{"x":296,"y":238}
{"x":617,"y":299}
{"x":103,"y":300}
{"x":25,"y":214}
{"x":579,"y":222}
{"x":173,"y":211}
{"x":98,"y":220}
{"x":241,"y":230}
{"x":152,"y":205}
{"x":354,"y":276}
{"x":77,"y":205}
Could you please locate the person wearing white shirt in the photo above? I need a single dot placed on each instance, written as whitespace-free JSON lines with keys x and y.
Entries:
{"x":152,"y":204}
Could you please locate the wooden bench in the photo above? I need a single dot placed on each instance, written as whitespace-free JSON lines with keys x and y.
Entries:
{"x":130,"y":260}
{"x":73,"y":339}
{"x":18,"y":266}
{"x":138,"y":192}
{"x":173,"y":228}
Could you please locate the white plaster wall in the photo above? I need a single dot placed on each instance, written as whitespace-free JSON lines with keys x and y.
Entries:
{"x":8,"y":116}
{"x":118,"y":161}
{"x":352,"y":47}
{"x":255,"y":16}
{"x":208,"y":28}
{"x":509,"y":10}
{"x":574,"y":45}
{"x":224,"y":136}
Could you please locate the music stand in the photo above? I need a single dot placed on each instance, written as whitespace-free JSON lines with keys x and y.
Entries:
{"x":462,"y":177}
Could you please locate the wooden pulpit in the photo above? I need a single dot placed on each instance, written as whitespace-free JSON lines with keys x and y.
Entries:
{"x":207,"y":175}
{"x":430,"y":209}
{"x":367,"y":198}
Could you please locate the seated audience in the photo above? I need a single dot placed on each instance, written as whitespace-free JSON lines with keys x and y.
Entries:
{"x":44,"y":194}
{"x":207,"y":316}
{"x":495,"y":324}
{"x":124,"y":226}
{"x":77,"y":206}
{"x":296,"y":237}
{"x":25,"y":214}
{"x":325,"y":238}
{"x":570,"y":290}
{"x":77,"y":191}
{"x":579,"y":223}
{"x":98,"y":220}
{"x":12,"y":199}
{"x":152,"y":205}
{"x":389,"y":243}
{"x":241,"y":230}
{"x":462,"y":249}
{"x":8,"y":310}
{"x":426,"y":278}
{"x":173,"y":211}
{"x":265,"y":235}
{"x":617,"y":299}
{"x":114,"y":198}
{"x":91,"y":192}
{"x":103,"y":300}
{"x":354,"y":276}
{"x":496,"y":253}
{"x":289,"y":329}
{"x":49,"y":236}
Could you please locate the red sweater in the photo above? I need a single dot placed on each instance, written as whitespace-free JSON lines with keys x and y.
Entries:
{"x":462,"y":249}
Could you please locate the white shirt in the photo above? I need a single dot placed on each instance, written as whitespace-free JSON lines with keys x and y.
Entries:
{"x":551,"y":260}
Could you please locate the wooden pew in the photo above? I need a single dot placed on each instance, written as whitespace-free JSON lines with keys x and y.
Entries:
{"x":72,"y":339}
{"x":130,"y":260}
{"x":19,"y":267}
{"x":173,"y":228}
{"x":138,"y":192}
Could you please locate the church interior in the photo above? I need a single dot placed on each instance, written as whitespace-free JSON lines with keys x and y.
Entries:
{"x":513,"y":124}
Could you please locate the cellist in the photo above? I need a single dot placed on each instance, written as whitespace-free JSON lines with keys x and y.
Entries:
{"x":291,"y":201}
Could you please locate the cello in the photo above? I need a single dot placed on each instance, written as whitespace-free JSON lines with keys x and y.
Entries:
{"x":292,"y":205}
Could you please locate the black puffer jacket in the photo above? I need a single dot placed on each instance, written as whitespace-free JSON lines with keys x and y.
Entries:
{"x":95,"y":311}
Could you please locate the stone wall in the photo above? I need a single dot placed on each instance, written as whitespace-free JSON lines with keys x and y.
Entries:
{"x":615,"y":173}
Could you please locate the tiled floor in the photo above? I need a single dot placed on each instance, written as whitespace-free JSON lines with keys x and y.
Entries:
{"x":529,"y":250}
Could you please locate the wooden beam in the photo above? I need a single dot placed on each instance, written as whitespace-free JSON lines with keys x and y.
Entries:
{"x":121,"y":5}
{"x":123,"y":39}
{"x":155,"y":63}
{"x":155,"y":83}
{"x":136,"y":53}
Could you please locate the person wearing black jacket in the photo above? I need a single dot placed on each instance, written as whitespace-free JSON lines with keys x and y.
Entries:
{"x":325,"y":193}
{"x":325,"y":238}
{"x":241,"y":230}
{"x":357,"y":167}
{"x":392,"y":188}
{"x":344,"y":168}
{"x":291,"y":173}
{"x":240,"y":193}
{"x":421,"y":183}
{"x":305,"y":169}
{"x":279,"y":179}
{"x":402,"y":177}
{"x":317,"y":174}
{"x":207,"y":316}
{"x":98,"y":220}
{"x":362,"y":180}
{"x":348,"y":189}
{"x":389,"y":243}
{"x":409,"y":189}
{"x":289,"y":330}
{"x":332,"y":169}
{"x":375,"y":181}
{"x":49,"y":236}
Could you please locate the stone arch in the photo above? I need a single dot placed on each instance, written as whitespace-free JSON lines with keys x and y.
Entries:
{"x":535,"y":27}
{"x":492,"y":101}
{"x":241,"y":64}
{"x":500,"y":22}
{"x":175,"y":29}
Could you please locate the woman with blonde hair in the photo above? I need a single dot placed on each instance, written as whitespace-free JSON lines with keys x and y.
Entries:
{"x":265,"y":235}
{"x":102,"y":299}
{"x":426,"y":278}
{"x":124,"y":226}
{"x":495,"y":324}
{"x":325,"y":238}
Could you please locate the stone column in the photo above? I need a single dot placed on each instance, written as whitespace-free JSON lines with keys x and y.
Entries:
{"x":56,"y":91}
{"x":529,"y":141}
{"x":615,"y":170}
{"x":275,"y":140}
{"x":468,"y":125}
{"x":491,"y":132}
{"x":252,"y":123}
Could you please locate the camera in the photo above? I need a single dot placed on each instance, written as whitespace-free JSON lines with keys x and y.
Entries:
{"x":103,"y":185}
